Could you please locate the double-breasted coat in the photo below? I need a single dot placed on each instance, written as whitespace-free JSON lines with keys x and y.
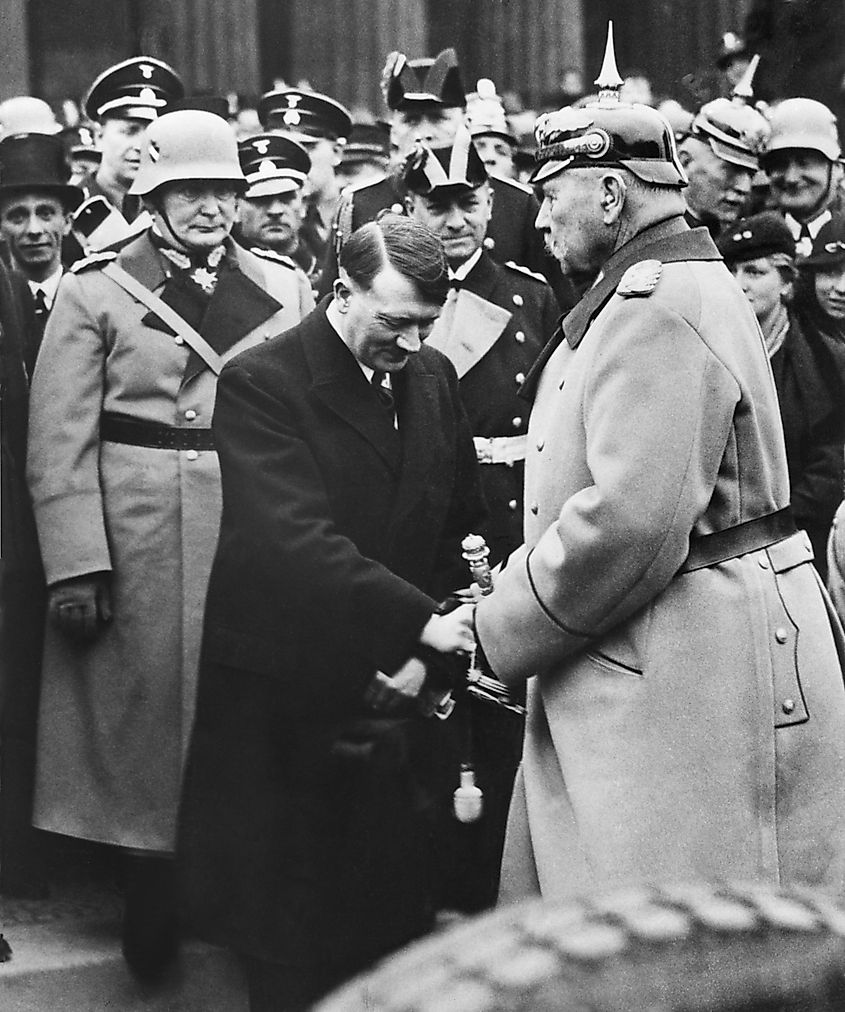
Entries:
{"x":681,"y":724}
{"x":116,"y":713}
{"x":306,"y":819}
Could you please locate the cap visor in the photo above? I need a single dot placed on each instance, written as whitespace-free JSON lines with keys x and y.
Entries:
{"x":545,"y":170}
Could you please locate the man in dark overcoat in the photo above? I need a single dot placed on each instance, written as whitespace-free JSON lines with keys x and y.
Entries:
{"x":349,"y":478}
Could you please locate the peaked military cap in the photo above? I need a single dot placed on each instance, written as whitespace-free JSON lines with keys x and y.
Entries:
{"x":273,"y":164}
{"x":829,"y":246}
{"x":306,"y":115}
{"x":608,"y":132}
{"x":457,"y":166}
{"x":406,"y":83}
{"x":31,"y":162}
{"x":139,"y":88}
{"x":368,"y":142}
{"x":760,"y":235}
{"x":80,"y":140}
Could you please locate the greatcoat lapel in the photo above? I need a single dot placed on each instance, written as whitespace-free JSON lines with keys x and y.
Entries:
{"x":343,"y":388}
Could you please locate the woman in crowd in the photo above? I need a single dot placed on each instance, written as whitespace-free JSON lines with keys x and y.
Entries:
{"x":126,"y":490}
{"x":759,"y":251}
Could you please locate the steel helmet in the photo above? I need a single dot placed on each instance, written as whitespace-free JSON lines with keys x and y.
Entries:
{"x":608,"y":132}
{"x":734,"y":129}
{"x":188,"y":144}
{"x":804,"y":123}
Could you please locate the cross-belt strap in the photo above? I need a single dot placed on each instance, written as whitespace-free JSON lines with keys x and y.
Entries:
{"x":191,"y":337}
{"x":711,"y":549}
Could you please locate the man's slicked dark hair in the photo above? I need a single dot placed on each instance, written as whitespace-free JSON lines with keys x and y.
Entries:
{"x":402,"y":243}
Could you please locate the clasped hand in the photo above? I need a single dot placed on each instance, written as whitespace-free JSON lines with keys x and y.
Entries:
{"x":451,"y":633}
{"x":81,"y":605}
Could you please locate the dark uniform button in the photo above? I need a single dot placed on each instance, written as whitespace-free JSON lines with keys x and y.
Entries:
{"x":516,"y":421}
{"x":520,"y":377}
{"x":190,"y":414}
{"x":512,"y":505}
{"x":518,"y":300}
{"x":519,"y":337}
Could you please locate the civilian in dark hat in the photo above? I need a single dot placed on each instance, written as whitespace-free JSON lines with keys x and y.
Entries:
{"x":428,"y":105}
{"x":36,"y":200}
{"x":759,"y":252}
{"x":492,"y":328}
{"x":366,"y":154}
{"x":321,"y":125}
{"x":124,"y":100}
{"x":272,"y":209}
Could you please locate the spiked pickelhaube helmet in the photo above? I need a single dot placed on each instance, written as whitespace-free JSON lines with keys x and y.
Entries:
{"x":734,"y":129}
{"x":608,"y":132}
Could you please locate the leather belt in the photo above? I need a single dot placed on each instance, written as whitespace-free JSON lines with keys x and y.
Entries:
{"x":732,"y":542}
{"x":500,"y":449}
{"x":115,"y":428}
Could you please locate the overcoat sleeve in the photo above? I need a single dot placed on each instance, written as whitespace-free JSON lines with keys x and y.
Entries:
{"x":64,"y":427}
{"x":657,"y":415}
{"x":277,"y":512}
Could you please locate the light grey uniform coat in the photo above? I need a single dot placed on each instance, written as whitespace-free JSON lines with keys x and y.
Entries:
{"x":679,"y":726}
{"x":116,"y":713}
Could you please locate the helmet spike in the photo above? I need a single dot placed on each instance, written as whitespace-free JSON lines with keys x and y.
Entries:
{"x":744,"y":89}
{"x":609,"y":82}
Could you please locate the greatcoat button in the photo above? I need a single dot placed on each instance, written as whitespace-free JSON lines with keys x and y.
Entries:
{"x":535,"y":509}
{"x":512,"y":505}
{"x":519,"y":337}
{"x":763,"y":562}
{"x":517,"y":300}
{"x":516,"y":421}
{"x":396,"y":208}
{"x":520,"y":377}
{"x":781,"y":635}
{"x":192,"y":455}
{"x":788,"y":705}
{"x":190,"y":414}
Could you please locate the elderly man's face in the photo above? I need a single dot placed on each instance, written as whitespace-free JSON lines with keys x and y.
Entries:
{"x":434,"y":125}
{"x":571,"y":220}
{"x":459,"y":218}
{"x":199,"y":213}
{"x":717,"y":188}
{"x":387,"y":323}
{"x":33,"y":225}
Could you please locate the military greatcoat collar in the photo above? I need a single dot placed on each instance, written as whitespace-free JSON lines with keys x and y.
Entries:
{"x":669,"y":241}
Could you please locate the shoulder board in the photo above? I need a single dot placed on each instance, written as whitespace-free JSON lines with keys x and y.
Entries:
{"x":640,"y":279}
{"x":271,"y":254}
{"x":515,"y":183}
{"x":514,"y":266}
{"x":93,"y":259}
{"x":351,"y":188}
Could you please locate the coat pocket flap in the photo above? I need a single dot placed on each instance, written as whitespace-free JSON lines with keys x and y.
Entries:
{"x":791,"y":552}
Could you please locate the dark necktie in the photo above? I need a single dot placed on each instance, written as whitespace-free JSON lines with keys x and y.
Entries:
{"x":384,"y":394}
{"x":40,"y":306}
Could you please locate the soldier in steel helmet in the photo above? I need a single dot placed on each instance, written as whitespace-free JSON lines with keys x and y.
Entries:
{"x":126,"y":490}
{"x":803,"y":160}
{"x":685,"y":699}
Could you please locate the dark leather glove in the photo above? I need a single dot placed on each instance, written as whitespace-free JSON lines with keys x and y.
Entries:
{"x":80,"y":606}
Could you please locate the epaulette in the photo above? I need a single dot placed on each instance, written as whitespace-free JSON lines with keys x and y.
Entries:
{"x":514,"y":266}
{"x":515,"y":183}
{"x":271,"y":254}
{"x":640,"y":279}
{"x":98,"y":257}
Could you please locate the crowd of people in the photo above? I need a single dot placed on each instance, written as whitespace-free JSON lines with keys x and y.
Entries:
{"x":259,"y":383}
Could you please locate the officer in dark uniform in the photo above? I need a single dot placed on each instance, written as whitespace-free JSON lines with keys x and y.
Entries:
{"x":427,"y":101}
{"x":270,"y":217}
{"x":494,"y":324}
{"x":321,"y":125}
{"x":124,"y":100}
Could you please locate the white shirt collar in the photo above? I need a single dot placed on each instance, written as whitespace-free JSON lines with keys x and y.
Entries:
{"x":462,"y":270}
{"x":333,"y":316}
{"x":48,"y":286}
{"x":813,"y":227}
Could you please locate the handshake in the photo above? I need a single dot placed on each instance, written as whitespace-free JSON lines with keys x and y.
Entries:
{"x":423,"y":685}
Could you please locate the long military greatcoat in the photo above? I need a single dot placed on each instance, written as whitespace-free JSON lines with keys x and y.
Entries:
{"x":116,"y":714}
{"x":680,"y":725}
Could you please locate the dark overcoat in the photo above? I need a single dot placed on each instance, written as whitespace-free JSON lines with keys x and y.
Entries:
{"x":335,"y":529}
